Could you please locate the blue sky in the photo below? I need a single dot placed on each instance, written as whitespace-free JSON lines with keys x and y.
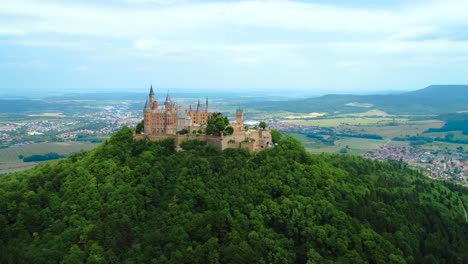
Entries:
{"x":306,"y":46}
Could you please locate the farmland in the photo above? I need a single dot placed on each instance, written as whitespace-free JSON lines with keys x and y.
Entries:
{"x":355,"y":146}
{"x":357,"y":121}
{"x":10,"y":156}
{"x":356,"y":133}
{"x":400,"y":129}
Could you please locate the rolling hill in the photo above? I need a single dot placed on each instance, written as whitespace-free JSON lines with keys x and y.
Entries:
{"x":435,"y":99}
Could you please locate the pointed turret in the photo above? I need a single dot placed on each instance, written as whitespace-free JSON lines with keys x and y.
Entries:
{"x":206,"y":105}
{"x":168,"y":99}
{"x":151,"y":95}
{"x":198,"y":106}
{"x":190,"y":108}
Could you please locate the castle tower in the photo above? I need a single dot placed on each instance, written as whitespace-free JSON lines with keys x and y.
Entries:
{"x":147,"y":117}
{"x":240,"y":117}
{"x":151,"y":94}
{"x":206,"y":105}
{"x":152,"y":99}
{"x":198,"y":106}
{"x":168,"y":103}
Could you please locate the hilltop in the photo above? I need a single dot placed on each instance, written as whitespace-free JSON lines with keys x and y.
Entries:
{"x":435,"y":99}
{"x":141,"y":201}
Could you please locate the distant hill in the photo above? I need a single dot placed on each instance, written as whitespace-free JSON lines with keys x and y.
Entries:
{"x":447,"y":91}
{"x":435,"y":99}
{"x":142,"y":202}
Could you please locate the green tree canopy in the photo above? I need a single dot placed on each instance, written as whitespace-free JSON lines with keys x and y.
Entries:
{"x":133,"y":201}
{"x":217,"y":123}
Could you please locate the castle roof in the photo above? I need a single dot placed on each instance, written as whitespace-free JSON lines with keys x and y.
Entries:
{"x":151,"y":90}
{"x":147,"y":105}
{"x":168,"y":99}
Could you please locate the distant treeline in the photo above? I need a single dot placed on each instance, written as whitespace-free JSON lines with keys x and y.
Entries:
{"x":453,"y":122}
{"x":327,"y":141}
{"x":420,"y":140}
{"x":330,"y":141}
{"x":48,"y":156}
{"x":368,"y":136}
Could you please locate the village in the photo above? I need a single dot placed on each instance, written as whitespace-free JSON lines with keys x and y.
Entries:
{"x":443,"y":164}
{"x":96,"y":124}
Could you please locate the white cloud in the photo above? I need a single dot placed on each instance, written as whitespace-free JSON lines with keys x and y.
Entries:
{"x":309,"y":37}
{"x":178,"y":18}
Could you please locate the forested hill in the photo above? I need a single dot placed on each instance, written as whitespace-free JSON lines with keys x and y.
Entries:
{"x":141,"y":202}
{"x":435,"y":99}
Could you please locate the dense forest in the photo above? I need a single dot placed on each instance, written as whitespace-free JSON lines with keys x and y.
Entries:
{"x":141,"y":202}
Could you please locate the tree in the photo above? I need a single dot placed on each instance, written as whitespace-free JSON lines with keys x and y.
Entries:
{"x":275,"y":135}
{"x":263,"y":125}
{"x":140,"y":127}
{"x":140,"y":201}
{"x":217,"y":123}
{"x":229,"y":130}
{"x":183,"y":131}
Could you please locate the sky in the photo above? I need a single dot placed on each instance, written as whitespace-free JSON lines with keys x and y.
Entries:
{"x":323,"y":46}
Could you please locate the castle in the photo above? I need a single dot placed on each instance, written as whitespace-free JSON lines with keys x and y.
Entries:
{"x":172,"y":121}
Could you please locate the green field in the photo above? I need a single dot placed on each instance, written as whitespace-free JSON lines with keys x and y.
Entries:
{"x":354,"y":121}
{"x":356,"y":145}
{"x":6,"y":168}
{"x":410,"y":128}
{"x":457,"y":135}
{"x":444,"y":146}
{"x":10,"y":155}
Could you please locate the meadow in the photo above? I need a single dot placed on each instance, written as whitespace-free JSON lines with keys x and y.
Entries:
{"x":10,"y":161}
{"x":356,"y":121}
{"x":354,"y":146}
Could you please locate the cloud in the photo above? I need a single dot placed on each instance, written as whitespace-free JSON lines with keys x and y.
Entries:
{"x":305,"y":37}
{"x":181,"y":17}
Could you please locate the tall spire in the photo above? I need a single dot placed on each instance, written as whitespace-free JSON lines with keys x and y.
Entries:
{"x":206,"y":105}
{"x":168,"y":99}
{"x":198,"y":105}
{"x":151,"y":96}
{"x":190,"y":108}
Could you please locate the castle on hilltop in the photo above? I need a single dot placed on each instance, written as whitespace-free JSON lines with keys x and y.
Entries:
{"x":172,"y":121}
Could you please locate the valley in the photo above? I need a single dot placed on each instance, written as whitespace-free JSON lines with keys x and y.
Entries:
{"x":335,"y":124}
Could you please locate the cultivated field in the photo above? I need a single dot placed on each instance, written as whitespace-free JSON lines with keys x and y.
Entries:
{"x":444,"y":146}
{"x":458,"y":135}
{"x":355,"y":145}
{"x":356,"y":121}
{"x":10,"y":155}
{"x":409,"y":128}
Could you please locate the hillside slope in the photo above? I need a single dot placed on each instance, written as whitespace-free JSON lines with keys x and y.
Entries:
{"x":436,"y":99}
{"x":141,"y":202}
